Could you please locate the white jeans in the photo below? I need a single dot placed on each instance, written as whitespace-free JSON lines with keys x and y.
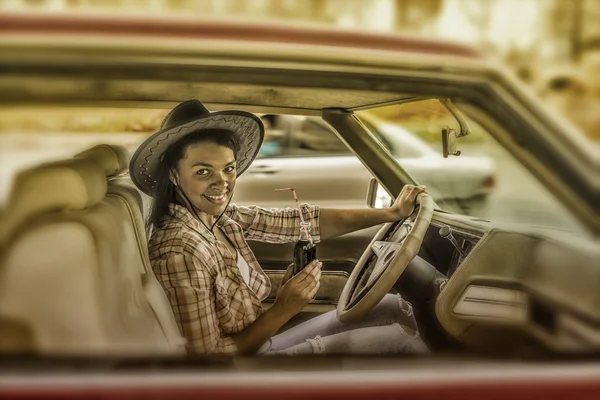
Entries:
{"x":382,"y":331}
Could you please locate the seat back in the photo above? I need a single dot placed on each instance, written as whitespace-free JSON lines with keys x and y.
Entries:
{"x":74,"y":266}
{"x":115,"y":162}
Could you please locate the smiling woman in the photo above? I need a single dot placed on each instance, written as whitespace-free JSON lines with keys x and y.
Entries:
{"x":199,"y":252}
{"x":191,"y":174}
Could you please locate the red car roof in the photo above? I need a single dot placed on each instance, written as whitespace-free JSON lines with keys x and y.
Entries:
{"x":76,"y":24}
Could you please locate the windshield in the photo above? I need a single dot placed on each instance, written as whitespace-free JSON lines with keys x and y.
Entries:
{"x":485,"y":181}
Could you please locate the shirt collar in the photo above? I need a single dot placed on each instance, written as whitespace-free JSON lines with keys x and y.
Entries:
{"x":181,"y":215}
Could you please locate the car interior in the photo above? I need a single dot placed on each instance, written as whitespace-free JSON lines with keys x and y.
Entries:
{"x":76,"y":277}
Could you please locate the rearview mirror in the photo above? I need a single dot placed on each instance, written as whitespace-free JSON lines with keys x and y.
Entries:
{"x":449,"y":140}
{"x":377,"y":197}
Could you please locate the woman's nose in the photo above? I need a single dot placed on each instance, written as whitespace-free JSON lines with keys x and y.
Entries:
{"x":220,"y":180}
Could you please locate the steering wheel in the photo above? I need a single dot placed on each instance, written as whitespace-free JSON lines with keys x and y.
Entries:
{"x":371,"y":281}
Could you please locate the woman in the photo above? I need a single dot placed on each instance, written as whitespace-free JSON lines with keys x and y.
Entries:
{"x":199,"y":253}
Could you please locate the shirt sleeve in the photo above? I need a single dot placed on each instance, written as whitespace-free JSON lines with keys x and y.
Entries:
{"x":191,"y":292}
{"x":275,"y":225}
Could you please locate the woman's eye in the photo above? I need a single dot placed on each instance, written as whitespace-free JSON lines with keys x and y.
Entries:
{"x":231,"y":168}
{"x":202,"y":172}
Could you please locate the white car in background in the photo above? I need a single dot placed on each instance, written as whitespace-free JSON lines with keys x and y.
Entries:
{"x":314,"y":161}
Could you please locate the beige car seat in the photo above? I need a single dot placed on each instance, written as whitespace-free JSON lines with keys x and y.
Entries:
{"x":114,"y":160}
{"x":74,"y":274}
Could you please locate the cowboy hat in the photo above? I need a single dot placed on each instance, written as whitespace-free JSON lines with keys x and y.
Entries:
{"x":189,"y":117}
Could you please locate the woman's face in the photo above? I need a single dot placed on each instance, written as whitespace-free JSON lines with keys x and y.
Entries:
{"x":207,"y":174}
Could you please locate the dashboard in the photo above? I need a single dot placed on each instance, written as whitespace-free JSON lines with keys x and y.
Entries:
{"x":509,"y":289}
{"x":466,"y":241}
{"x":441,"y":252}
{"x":516,"y":288}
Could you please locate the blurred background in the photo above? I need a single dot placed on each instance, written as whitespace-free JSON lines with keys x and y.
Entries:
{"x":552,"y":46}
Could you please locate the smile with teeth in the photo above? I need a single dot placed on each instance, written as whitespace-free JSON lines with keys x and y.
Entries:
{"x":216,"y":197}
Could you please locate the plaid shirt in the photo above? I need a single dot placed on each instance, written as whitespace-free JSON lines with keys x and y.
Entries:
{"x":207,"y":293}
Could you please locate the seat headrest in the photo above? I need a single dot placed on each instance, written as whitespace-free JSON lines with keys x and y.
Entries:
{"x":73,"y":184}
{"x":113,"y":159}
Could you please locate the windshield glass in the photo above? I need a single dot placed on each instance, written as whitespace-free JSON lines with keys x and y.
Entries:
{"x":485,"y":181}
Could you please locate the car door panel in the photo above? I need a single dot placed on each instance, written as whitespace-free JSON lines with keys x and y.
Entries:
{"x":339,"y":256}
{"x":330,"y":182}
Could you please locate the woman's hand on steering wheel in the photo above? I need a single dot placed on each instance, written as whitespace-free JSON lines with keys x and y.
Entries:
{"x":405,"y":202}
{"x":361,"y":293}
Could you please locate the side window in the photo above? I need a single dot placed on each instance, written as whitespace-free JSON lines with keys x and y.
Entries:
{"x":287,"y":135}
{"x":313,"y":137}
{"x":276,"y":141}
